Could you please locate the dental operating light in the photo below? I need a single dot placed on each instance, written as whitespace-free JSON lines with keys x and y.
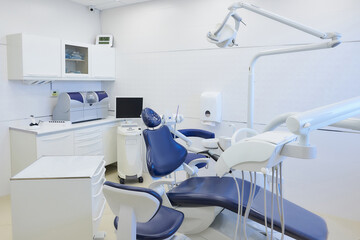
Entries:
{"x":225,"y":35}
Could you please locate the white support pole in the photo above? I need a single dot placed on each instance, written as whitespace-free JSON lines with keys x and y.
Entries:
{"x":302,"y":48}
{"x":126,"y":230}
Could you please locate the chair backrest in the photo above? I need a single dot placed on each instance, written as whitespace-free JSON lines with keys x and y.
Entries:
{"x":145,"y":202}
{"x":163,"y":154}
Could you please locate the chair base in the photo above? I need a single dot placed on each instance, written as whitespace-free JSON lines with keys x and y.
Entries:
{"x":224,"y":226}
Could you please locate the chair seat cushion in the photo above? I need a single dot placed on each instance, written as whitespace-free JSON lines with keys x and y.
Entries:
{"x":215,"y":191}
{"x":193,"y":156}
{"x":163,"y":225}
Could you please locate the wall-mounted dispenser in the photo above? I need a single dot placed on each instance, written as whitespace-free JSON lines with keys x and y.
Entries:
{"x":210,"y":108}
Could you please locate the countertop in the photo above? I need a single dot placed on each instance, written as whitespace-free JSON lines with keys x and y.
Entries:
{"x":46,"y":128}
{"x":55,"y":167}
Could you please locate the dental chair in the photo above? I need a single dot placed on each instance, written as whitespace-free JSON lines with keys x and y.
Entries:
{"x":140,"y":214}
{"x":194,"y":157}
{"x":201,"y":199}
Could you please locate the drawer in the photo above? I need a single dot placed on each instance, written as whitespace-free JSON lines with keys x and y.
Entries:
{"x":89,"y":148}
{"x":98,"y":175}
{"x":87,"y":132}
{"x":87,"y":137}
{"x":97,"y":214}
{"x":55,"y":144}
{"x":98,"y":196}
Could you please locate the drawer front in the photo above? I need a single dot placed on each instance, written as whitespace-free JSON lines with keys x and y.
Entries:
{"x":56,"y":144}
{"x":97,"y":214}
{"x":88,"y":141}
{"x":93,"y":147}
{"x":87,"y":132}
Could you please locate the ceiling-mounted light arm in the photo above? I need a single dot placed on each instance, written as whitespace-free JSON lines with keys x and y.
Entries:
{"x":225,"y":36}
{"x":284,"y":20}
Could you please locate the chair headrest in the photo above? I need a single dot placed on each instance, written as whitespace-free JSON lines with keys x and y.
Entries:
{"x":150,"y":118}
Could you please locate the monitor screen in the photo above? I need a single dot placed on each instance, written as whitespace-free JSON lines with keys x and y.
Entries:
{"x":129,"y":107}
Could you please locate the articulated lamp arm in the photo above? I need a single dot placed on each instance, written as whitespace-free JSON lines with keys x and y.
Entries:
{"x":225,"y":36}
{"x":284,"y":20}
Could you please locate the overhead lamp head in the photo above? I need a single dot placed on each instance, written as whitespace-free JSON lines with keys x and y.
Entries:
{"x":224,"y":35}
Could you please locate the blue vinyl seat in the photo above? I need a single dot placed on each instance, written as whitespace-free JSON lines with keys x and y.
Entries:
{"x":215,"y":191}
{"x":165,"y":155}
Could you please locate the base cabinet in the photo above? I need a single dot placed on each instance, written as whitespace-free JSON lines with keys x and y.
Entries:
{"x":59,"y":203}
{"x":27,"y":146}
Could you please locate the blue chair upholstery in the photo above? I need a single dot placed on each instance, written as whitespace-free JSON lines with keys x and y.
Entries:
{"x":163,"y":154}
{"x":192,"y":156}
{"x":151,"y":119}
{"x":215,"y":191}
{"x":197,"y":133}
{"x":162,"y":225}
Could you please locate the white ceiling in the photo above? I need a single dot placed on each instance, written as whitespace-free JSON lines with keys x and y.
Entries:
{"x":105,"y":4}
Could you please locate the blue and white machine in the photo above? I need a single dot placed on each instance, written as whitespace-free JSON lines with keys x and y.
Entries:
{"x":81,"y":106}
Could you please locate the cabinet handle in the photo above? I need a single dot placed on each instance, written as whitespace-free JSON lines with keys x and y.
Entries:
{"x":100,"y":190}
{"x":41,"y":75}
{"x":101,"y":168}
{"x":88,"y":144}
{"x":85,"y":138}
{"x":86,"y":132}
{"x":55,"y":138}
{"x":102,"y":178}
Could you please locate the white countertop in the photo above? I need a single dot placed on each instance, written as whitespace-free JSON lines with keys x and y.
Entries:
{"x":54,"y":167}
{"x":52,"y":128}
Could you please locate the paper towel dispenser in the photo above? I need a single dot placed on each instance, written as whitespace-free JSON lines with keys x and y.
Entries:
{"x":210,"y":112}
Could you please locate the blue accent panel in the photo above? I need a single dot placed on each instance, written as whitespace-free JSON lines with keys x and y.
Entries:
{"x":163,"y":225}
{"x":163,"y":154}
{"x":150,"y":118}
{"x":76,"y":96}
{"x":193,"y":156}
{"x":136,"y":189}
{"x":101,"y":95}
{"x":197,"y":133}
{"x":214,"y":191}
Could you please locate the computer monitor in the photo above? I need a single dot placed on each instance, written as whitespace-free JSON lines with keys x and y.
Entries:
{"x":128,"y":107}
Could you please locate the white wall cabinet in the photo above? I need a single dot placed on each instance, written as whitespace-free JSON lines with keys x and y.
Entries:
{"x":103,"y":62}
{"x":94,"y":139}
{"x":58,"y":198}
{"x":33,"y":57}
{"x":38,"y":59}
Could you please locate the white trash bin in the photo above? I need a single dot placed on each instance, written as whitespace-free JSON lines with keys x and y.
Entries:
{"x":129,"y":152}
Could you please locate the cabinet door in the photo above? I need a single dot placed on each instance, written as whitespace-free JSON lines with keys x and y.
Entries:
{"x":56,"y":144}
{"x":41,"y":56}
{"x":110,"y":143}
{"x":76,"y":58}
{"x":103,"y":62}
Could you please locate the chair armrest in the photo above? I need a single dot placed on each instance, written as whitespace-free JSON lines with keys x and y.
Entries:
{"x":194,"y":162}
{"x":197,"y":133}
{"x":158,"y":185}
{"x":190,"y":170}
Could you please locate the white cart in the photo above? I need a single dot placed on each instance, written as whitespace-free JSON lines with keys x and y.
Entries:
{"x":129,"y":152}
{"x":58,"y":198}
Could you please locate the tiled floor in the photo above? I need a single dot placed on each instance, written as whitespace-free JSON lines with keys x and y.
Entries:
{"x":339,"y":229}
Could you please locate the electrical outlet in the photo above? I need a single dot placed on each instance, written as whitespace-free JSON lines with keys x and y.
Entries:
{"x":54,"y":93}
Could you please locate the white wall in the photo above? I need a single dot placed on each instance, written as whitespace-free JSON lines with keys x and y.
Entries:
{"x":163,"y":55}
{"x":55,"y":18}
